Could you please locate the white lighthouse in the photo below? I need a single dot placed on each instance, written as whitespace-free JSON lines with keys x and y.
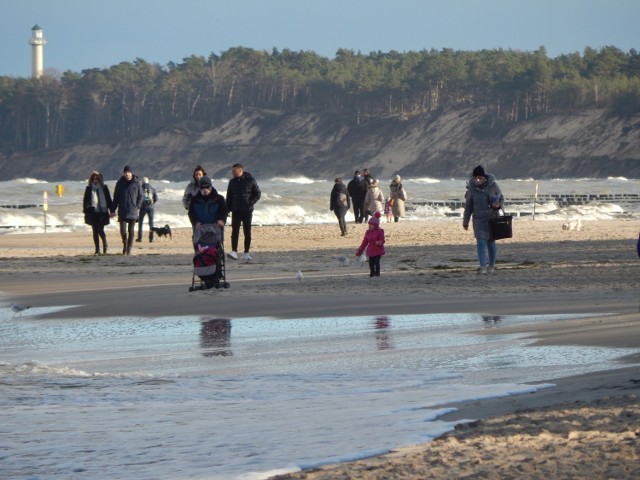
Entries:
{"x":37,"y":43}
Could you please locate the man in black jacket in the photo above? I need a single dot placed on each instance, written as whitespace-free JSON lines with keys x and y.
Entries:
{"x":357,"y":191}
{"x":242,"y":194}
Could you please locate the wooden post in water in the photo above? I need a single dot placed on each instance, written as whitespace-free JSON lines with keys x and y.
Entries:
{"x":45,"y":207}
{"x":535,"y":199}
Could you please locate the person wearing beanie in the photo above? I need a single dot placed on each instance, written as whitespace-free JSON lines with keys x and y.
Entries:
{"x":207,"y":206}
{"x":357,"y":188}
{"x":127,"y":199}
{"x":483,"y":200}
{"x":397,"y":197}
{"x":373,"y":244}
{"x":147,"y":209}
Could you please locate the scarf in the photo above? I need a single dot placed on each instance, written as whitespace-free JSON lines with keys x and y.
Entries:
{"x":98,"y":202}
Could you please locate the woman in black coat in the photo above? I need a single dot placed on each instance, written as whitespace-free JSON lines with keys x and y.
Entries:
{"x":96,"y":206}
{"x":339,"y":203}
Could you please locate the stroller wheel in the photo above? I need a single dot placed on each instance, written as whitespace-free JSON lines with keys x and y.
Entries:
{"x":226,"y":285}
{"x":191,"y":289}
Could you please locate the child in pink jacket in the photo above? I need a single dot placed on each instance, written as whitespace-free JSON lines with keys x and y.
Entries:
{"x":374,"y":243}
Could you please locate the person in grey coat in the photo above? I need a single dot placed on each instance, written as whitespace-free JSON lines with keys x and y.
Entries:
{"x":127,"y":199}
{"x":483,"y":200}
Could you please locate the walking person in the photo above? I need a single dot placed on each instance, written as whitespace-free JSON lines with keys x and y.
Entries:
{"x":97,"y":205}
{"x":339,"y":204}
{"x":207,"y":206}
{"x":242,"y":194}
{"x":357,"y":188}
{"x":483,"y":200}
{"x":373,"y":244}
{"x":374,"y":199}
{"x":147,"y":209}
{"x":397,"y":198}
{"x":128,"y":199}
{"x":192,"y":188}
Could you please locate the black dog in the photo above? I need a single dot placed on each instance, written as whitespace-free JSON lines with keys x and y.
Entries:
{"x":162,"y":231}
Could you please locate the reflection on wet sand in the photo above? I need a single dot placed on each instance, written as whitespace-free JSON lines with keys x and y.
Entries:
{"x":491,"y":321}
{"x":215,"y":336}
{"x":383,"y":336}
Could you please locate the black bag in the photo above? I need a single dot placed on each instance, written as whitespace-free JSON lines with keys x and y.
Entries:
{"x":501,"y":227}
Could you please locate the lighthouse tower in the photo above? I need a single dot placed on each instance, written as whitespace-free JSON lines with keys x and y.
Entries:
{"x":37,"y":43}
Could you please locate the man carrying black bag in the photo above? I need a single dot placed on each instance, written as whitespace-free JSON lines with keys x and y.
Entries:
{"x":483,"y":200}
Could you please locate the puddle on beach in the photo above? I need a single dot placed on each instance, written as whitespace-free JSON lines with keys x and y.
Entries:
{"x":218,"y":398}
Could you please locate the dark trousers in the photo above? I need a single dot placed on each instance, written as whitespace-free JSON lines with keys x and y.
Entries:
{"x":244,"y":219}
{"x":127,"y":231}
{"x":358,"y":211}
{"x":340,"y":215}
{"x":374,"y":266}
{"x":98,"y":233}
{"x":145,"y":212}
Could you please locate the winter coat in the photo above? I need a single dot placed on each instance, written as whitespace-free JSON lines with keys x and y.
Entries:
{"x":242,"y":193}
{"x":478,"y":200}
{"x":373,"y":242}
{"x":399,"y":196}
{"x":91,"y":216}
{"x":128,"y":198}
{"x":357,"y":188}
{"x":191,"y":191}
{"x":150,"y":197}
{"x":374,"y":200}
{"x":339,"y":200}
{"x":207,"y":209}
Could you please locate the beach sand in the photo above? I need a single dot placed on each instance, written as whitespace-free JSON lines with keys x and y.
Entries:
{"x":587,"y":426}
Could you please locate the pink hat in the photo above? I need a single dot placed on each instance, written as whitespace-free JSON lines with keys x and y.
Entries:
{"x":375,"y":219}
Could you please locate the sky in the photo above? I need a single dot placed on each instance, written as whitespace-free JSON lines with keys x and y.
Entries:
{"x":84,"y":34}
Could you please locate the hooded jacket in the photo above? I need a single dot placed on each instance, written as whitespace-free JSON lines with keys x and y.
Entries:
{"x":373,"y":242}
{"x":478,"y":201}
{"x":335,"y":204}
{"x":242,"y":193}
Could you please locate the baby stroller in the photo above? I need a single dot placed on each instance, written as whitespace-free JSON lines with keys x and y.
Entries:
{"x":209,"y":260}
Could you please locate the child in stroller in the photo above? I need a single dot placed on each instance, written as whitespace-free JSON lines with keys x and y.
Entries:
{"x":208,"y":214}
{"x":209,"y":260}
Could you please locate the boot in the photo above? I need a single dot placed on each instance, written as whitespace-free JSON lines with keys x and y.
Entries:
{"x":104,"y":247}
{"x":151,"y":237}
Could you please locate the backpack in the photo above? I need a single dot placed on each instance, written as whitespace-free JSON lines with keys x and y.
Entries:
{"x":342,"y":199}
{"x":148,"y":196}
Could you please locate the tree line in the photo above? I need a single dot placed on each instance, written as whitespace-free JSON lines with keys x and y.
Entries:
{"x":133,"y":99}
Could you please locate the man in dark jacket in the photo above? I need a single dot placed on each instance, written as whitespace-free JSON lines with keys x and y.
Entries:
{"x":242,"y":194}
{"x":207,"y":206}
{"x":339,"y":204}
{"x":128,"y":198}
{"x":357,"y":191}
{"x":147,"y":209}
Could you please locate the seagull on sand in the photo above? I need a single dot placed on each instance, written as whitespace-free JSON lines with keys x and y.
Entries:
{"x":342,"y":260}
{"x":15,"y":308}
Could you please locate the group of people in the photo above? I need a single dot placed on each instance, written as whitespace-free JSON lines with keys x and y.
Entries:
{"x":133,"y":200}
{"x":205,"y":205}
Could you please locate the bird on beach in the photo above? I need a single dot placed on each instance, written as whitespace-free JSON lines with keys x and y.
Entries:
{"x":299,"y":275}
{"x":15,"y":308}
{"x":342,"y":260}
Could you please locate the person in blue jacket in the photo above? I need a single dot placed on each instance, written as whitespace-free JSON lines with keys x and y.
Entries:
{"x":207,"y":206}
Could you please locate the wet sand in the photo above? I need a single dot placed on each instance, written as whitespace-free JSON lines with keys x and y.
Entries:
{"x":586,"y":426}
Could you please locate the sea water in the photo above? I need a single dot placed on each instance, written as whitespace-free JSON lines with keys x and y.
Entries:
{"x":302,"y":200}
{"x":245,"y":398}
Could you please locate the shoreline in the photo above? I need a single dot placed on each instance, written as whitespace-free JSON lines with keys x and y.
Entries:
{"x":430,"y":267}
